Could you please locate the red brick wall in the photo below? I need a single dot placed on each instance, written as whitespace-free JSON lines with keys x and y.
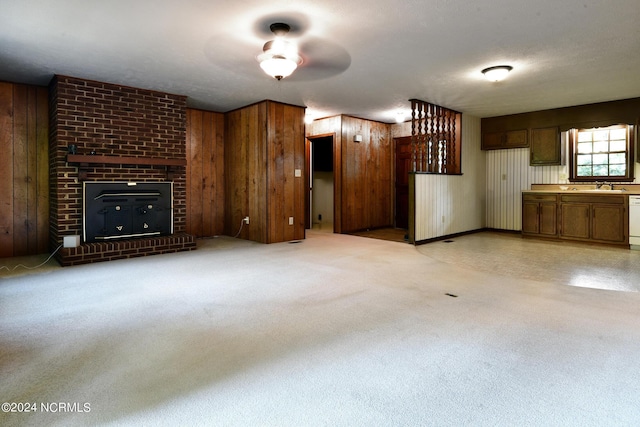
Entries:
{"x":111,"y":120}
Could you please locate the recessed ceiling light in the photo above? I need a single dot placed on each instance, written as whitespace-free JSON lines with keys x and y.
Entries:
{"x":497,"y":73}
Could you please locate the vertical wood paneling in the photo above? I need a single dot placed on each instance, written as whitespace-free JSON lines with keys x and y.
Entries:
{"x":20,"y":170}
{"x":42,"y":170}
{"x":285,"y":155}
{"x":245,"y":172}
{"x":205,"y":173}
{"x":367,"y":174}
{"x":508,"y":174}
{"x":194,"y":172}
{"x":6,"y":170}
{"x":276,"y":173}
{"x":264,"y":144}
{"x":24,"y":173}
{"x":208,"y":180}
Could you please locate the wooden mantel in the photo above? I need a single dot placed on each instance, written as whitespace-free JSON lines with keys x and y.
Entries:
{"x":84,"y":161}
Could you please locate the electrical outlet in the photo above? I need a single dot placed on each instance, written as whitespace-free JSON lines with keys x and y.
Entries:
{"x":290,"y":220}
{"x":246,"y":220}
{"x":71,"y":241}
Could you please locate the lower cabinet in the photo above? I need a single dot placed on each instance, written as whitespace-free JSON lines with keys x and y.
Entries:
{"x":539,"y":214}
{"x":585,"y":217}
{"x":575,"y":221}
{"x":594,"y":218}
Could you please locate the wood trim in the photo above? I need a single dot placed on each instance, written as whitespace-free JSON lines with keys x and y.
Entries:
{"x":412,"y":208}
{"x":122,"y":160}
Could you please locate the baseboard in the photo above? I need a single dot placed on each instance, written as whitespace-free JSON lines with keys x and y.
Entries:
{"x":464,"y":233}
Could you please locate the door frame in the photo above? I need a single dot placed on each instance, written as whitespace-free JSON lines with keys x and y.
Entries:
{"x":337,"y":181}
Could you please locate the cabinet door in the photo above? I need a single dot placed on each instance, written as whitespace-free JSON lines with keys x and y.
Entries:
{"x":530,"y":222}
{"x":506,"y":139}
{"x":575,"y":221}
{"x":548,"y":219}
{"x":545,"y":147}
{"x":607,"y":223}
{"x":516,"y":139}
{"x":492,"y":140}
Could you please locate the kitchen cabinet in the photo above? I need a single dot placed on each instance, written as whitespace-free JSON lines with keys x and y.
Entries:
{"x":545,"y":148}
{"x":505,"y":139}
{"x":539,"y":215}
{"x":595,"y":218}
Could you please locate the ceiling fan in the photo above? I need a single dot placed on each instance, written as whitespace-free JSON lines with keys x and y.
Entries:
{"x":279,"y":57}
{"x":286,"y":40}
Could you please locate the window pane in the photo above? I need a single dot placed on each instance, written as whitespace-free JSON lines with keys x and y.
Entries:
{"x":618,"y":145}
{"x":584,"y":137}
{"x":585,"y":147}
{"x":618,"y":158}
{"x":618,"y":170}
{"x":600,"y":170}
{"x":601,"y":135}
{"x":584,"y":159}
{"x":601,"y":147}
{"x":584,"y":170}
{"x":600,"y":159}
{"x":618,"y":134}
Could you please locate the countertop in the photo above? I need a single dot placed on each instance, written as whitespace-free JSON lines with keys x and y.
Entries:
{"x":598,"y":192}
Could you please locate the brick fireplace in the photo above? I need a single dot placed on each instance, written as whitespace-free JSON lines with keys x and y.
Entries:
{"x":107,"y":132}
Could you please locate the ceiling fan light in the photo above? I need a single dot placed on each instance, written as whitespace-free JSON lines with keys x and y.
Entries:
{"x":497,"y":73}
{"x":280,"y":57}
{"x":278,"y":67}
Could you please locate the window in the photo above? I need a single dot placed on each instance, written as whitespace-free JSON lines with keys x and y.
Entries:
{"x":602,"y":154}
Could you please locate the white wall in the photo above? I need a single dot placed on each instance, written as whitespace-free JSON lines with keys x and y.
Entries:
{"x":449,"y":204}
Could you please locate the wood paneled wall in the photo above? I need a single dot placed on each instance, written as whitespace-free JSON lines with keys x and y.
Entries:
{"x":245,"y":172}
{"x":363,"y":172}
{"x":24,"y":170}
{"x":367,"y":180}
{"x":264,"y":145}
{"x":205,"y":173}
{"x":285,"y":155}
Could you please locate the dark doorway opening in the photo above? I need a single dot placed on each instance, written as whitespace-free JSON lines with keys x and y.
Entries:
{"x":321,"y":205}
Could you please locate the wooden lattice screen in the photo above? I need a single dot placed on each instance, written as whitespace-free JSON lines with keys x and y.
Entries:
{"x":435,"y":138}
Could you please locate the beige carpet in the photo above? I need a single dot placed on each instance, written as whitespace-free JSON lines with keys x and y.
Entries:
{"x":336,"y":330}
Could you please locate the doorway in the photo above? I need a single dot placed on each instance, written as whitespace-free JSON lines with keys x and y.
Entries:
{"x":403,"y":167}
{"x":321,"y":183}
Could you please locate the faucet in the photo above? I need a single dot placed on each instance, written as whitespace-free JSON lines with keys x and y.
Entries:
{"x":603,"y":184}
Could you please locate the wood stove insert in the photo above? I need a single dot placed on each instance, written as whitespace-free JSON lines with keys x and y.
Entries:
{"x":124,"y":210}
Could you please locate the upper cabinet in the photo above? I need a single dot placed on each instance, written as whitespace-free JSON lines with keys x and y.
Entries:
{"x":545,"y":147}
{"x":540,"y":130}
{"x":505,"y":139}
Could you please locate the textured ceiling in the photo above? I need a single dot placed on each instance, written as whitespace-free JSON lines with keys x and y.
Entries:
{"x":365,"y":58}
